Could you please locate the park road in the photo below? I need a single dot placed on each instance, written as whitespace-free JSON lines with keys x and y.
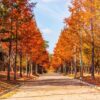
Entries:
{"x":55,"y":87}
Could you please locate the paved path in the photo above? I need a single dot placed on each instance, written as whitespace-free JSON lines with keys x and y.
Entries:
{"x":55,"y":87}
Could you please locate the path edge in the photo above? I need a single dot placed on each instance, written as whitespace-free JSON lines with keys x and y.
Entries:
{"x":10,"y":90}
{"x":86,"y":83}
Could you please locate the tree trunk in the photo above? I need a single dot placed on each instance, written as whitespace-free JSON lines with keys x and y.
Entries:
{"x":64,"y":70}
{"x":75,"y":67}
{"x":21,"y":65}
{"x":8,"y":72}
{"x":16,"y":50}
{"x":92,"y":43}
{"x":33,"y":68}
{"x":36,"y":68}
{"x":81,"y":59}
{"x":10,"y":50}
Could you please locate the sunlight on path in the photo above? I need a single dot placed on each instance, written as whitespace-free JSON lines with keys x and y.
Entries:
{"x":55,"y":87}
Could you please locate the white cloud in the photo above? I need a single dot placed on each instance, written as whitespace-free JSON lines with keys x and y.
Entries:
{"x":46,"y":31}
{"x":48,"y":1}
{"x":54,"y":13}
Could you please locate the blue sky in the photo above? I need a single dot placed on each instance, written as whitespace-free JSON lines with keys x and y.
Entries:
{"x":50,"y":16}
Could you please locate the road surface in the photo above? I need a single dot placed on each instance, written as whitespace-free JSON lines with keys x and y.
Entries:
{"x":55,"y":87}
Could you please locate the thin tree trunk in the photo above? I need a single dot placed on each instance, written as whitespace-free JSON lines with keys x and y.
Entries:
{"x":92,"y":60}
{"x":75,"y":70}
{"x":26,"y":66}
{"x":21,"y":65}
{"x":92,"y":43}
{"x":75,"y":67}
{"x":64,"y":68}
{"x":81,"y":59}
{"x":9,"y":65}
{"x":31,"y":69}
{"x":16,"y":51}
{"x":36,"y":68}
{"x":10,"y":50}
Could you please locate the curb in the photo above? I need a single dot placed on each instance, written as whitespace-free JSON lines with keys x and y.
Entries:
{"x":88,"y":84}
{"x":9,"y":90}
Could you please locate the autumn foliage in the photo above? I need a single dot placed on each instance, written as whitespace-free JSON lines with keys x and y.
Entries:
{"x":20,"y":39}
{"x":78,"y":47}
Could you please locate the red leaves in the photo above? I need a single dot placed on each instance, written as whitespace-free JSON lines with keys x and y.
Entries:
{"x":22,"y":23}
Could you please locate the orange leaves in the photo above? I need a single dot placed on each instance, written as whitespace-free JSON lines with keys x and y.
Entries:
{"x":32,"y":43}
{"x":63,"y":50}
{"x":77,"y":32}
{"x":20,"y":20}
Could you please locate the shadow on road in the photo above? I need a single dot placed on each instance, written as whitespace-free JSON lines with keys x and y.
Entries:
{"x":53,"y":82}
